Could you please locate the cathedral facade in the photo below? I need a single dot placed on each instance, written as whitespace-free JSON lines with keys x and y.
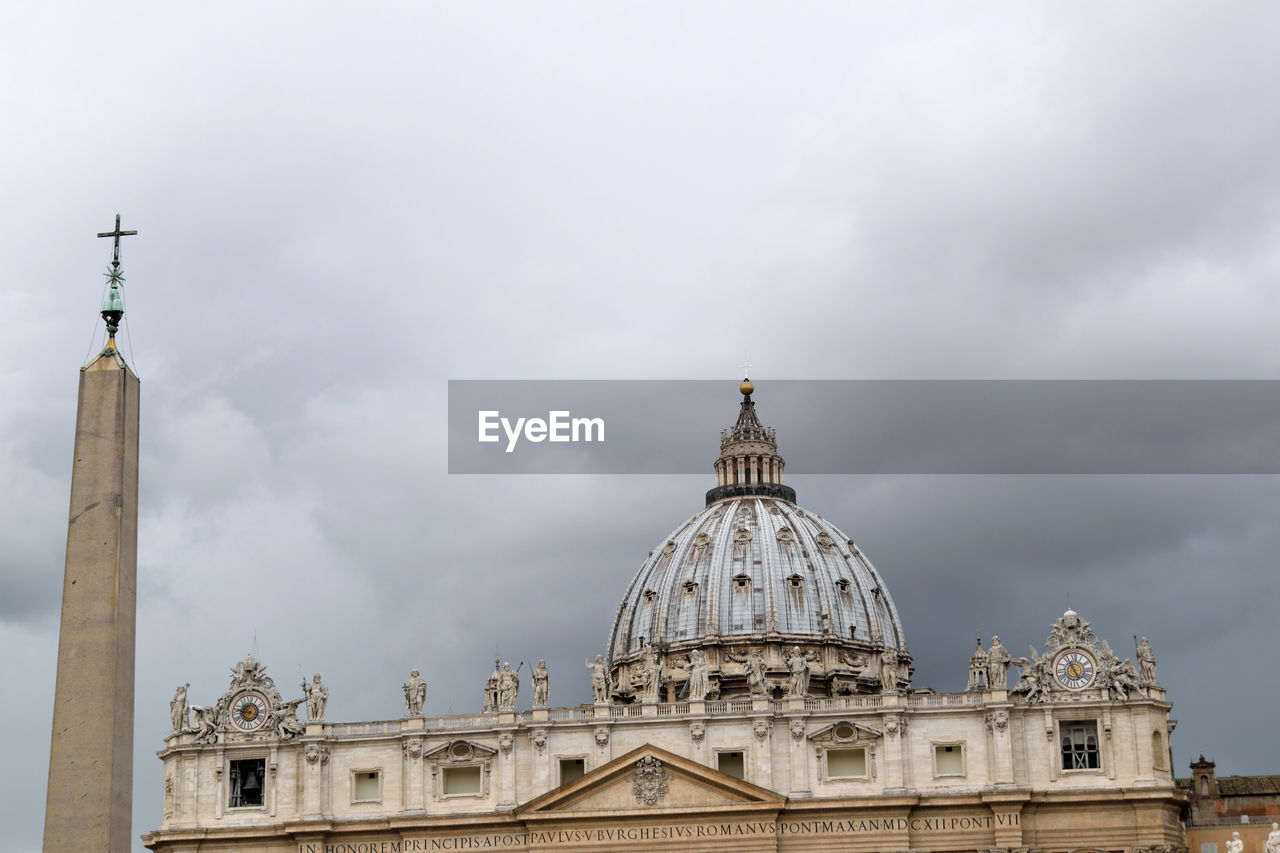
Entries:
{"x":756,"y":695}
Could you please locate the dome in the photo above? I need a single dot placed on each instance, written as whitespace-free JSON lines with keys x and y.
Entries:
{"x":753,"y":572}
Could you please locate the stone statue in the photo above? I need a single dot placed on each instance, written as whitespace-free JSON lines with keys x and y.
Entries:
{"x":317,"y":698}
{"x":889,"y":670}
{"x":1115,"y":676}
{"x":206,"y":724}
{"x":415,"y":693}
{"x":998,"y":665}
{"x":599,"y":680}
{"x":754,"y":668}
{"x":508,"y":688}
{"x":285,"y":718}
{"x":541,"y":685}
{"x":1235,"y":845}
{"x":696,"y":687}
{"x":1146,"y":663}
{"x":798,"y":666}
{"x":180,"y":711}
{"x":649,"y":685}
{"x":1034,"y":679}
{"x":1272,"y":844}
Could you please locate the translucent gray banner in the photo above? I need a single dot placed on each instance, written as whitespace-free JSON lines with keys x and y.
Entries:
{"x":870,"y":427}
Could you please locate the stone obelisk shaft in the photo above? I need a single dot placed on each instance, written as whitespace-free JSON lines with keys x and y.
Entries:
{"x":90,"y":797}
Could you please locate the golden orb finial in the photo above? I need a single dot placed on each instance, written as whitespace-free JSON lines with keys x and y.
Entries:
{"x":746,"y":387}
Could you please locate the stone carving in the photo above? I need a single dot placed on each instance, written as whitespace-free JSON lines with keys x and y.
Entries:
{"x":650,"y":783}
{"x":889,"y":670}
{"x":284,"y":718}
{"x":317,"y":753}
{"x":412,"y":748}
{"x":998,"y":660}
{"x":997,"y":721}
{"x":602,"y":735}
{"x":648,"y":681}
{"x":669,"y":547}
{"x":696,"y":687}
{"x":541,"y":684}
{"x":249,"y":673}
{"x":415,"y":693}
{"x":1235,"y":845}
{"x":785,"y":536}
{"x":1117,"y":677}
{"x":701,"y":543}
{"x":1147,"y":665}
{"x":1272,"y":844}
{"x":505,"y":742}
{"x":753,"y":667}
{"x":761,"y":729}
{"x":599,"y":680}
{"x":539,"y":738}
{"x":179,"y":710}
{"x":206,"y":727}
{"x":797,"y":729}
{"x":824,"y":541}
{"x":1071,"y":630}
{"x":798,"y":667}
{"x":1034,"y":681}
{"x":508,"y":688}
{"x":168,"y":796}
{"x":697,"y":731}
{"x":893,"y":724}
{"x":317,"y":699}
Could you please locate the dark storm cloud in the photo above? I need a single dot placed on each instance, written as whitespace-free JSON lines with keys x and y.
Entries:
{"x":341,"y":210}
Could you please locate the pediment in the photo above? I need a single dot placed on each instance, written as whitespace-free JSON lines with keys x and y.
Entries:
{"x":844,"y":732}
{"x":648,"y":780}
{"x":461,"y":751}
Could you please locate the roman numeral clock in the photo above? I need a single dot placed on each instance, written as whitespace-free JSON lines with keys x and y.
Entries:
{"x":249,"y":711}
{"x":1074,"y":669}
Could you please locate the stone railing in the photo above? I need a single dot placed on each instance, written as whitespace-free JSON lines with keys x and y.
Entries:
{"x":842,"y":703}
{"x":943,"y":700}
{"x":377,"y":727}
{"x":722,"y":707}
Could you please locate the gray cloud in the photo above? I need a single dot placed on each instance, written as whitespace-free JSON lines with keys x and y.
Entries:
{"x":339,"y":212}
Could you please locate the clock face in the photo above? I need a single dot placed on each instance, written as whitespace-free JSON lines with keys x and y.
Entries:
{"x":249,"y":711}
{"x":1074,"y":670}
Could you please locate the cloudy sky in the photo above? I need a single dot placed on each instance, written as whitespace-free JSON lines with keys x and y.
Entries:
{"x":341,"y":208}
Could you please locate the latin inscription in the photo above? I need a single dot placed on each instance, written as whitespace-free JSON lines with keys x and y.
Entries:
{"x":672,"y":832}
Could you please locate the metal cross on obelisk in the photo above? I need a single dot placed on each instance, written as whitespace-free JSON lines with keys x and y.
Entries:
{"x":113,"y":306}
{"x":115,"y":251}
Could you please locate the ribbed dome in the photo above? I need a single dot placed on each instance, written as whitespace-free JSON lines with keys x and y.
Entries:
{"x":754,"y":566}
{"x":753,"y":571}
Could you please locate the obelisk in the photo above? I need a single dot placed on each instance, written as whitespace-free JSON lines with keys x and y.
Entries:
{"x":90,"y":798}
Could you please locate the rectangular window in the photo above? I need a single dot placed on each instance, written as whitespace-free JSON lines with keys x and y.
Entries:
{"x":366,"y":786}
{"x":461,"y":780}
{"x":948,"y":759}
{"x":571,"y":769}
{"x":247,"y":779}
{"x":1079,"y":745}
{"x":846,"y":763}
{"x":731,"y":764}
